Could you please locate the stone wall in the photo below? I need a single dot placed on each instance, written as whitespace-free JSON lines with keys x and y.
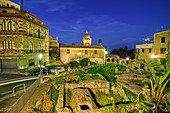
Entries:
{"x":94,"y":85}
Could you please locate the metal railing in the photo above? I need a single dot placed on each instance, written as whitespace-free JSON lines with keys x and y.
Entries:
{"x":18,"y":86}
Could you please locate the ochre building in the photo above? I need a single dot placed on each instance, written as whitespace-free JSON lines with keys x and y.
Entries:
{"x":160,"y":47}
{"x":86,"y":50}
{"x":22,"y":38}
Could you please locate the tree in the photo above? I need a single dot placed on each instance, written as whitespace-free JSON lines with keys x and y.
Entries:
{"x":74,"y":64}
{"x":114,"y":51}
{"x":121,"y":53}
{"x":100,"y":41}
{"x":158,"y":84}
{"x":73,"y":44}
{"x":131,"y":53}
{"x":84,"y":62}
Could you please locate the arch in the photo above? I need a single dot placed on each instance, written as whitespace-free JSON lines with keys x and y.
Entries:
{"x":108,"y":59}
{"x":10,"y":44}
{"x":10,"y":25}
{"x":30,"y":30}
{"x":3,"y":25}
{"x":113,"y":59}
{"x":38,"y":33}
{"x":4,"y":44}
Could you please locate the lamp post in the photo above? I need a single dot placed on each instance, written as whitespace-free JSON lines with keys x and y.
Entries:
{"x":40,"y":57}
{"x":105,"y":56}
{"x":79,"y":58}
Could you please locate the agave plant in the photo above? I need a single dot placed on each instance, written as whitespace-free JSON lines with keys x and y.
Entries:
{"x":156,"y":101}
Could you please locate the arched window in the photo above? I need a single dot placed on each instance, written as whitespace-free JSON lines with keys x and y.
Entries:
{"x":31,"y":46}
{"x":30,"y":30}
{"x":10,"y":44}
{"x":4,"y":44}
{"x":3,"y":25}
{"x":38,"y":33}
{"x":10,"y":25}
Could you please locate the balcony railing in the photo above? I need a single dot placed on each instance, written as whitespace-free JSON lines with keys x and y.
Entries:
{"x":6,"y":32}
{"x":19,"y":52}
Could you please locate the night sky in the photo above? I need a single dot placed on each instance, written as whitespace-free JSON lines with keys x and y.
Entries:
{"x":116,"y":22}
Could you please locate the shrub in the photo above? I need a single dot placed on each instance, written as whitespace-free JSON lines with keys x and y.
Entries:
{"x":84,"y":62}
{"x":95,"y":77}
{"x":73,"y":64}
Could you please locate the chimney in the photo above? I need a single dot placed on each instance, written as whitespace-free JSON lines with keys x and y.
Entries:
{"x":22,"y":5}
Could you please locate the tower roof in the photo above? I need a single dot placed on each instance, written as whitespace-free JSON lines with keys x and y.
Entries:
{"x":86,"y":35}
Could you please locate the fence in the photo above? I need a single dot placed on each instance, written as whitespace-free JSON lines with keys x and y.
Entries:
{"x":19,"y":104}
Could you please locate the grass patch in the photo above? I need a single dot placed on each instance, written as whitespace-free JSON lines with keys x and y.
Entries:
{"x":54,"y":96}
{"x":67,"y":98}
{"x":59,"y":81}
{"x":131,"y":96}
{"x":95,"y":77}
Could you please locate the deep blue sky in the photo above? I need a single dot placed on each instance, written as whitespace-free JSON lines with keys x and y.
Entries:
{"x":116,"y":22}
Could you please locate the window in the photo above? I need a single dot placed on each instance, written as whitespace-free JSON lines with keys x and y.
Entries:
{"x":68,"y":51}
{"x":10,"y":44}
{"x":9,"y":25}
{"x":38,"y":33}
{"x":163,"y":40}
{"x":39,"y":46}
{"x":143,"y":50}
{"x":137,"y":51}
{"x":3,"y":25}
{"x":150,"y":50}
{"x":163,"y":50}
{"x":31,"y":46}
{"x":4,"y":44}
{"x":86,"y":52}
{"x":4,"y":11}
{"x":95,"y":51}
{"x":30,"y":30}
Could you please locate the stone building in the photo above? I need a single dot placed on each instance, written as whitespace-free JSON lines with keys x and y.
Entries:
{"x":53,"y":45}
{"x":22,"y":37}
{"x":86,"y":50}
{"x":160,"y":47}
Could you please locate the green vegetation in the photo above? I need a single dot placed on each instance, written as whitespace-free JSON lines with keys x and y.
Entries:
{"x":54,"y":96}
{"x":95,"y":77}
{"x":67,"y":98}
{"x":131,"y":96}
{"x":157,"y":102}
{"x":81,"y":74}
{"x":59,"y":81}
{"x":86,"y":61}
{"x":73,"y":64}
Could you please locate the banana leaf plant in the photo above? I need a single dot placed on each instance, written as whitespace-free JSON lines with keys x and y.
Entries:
{"x":156,"y":102}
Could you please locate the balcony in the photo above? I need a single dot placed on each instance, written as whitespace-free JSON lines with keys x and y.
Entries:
{"x":14,"y":52}
{"x":6,"y":32}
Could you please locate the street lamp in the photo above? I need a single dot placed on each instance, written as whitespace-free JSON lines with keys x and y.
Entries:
{"x":79,"y":58}
{"x":40,"y":57}
{"x":153,"y":56}
{"x":106,"y":52}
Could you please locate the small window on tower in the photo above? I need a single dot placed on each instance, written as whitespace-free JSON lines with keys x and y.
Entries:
{"x":68,"y":51}
{"x":95,"y":51}
{"x":86,"y":52}
{"x":4,"y":11}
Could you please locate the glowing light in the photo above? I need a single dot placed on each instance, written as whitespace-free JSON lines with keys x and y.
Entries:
{"x":106,"y":52}
{"x":153,"y":56}
{"x":127,"y":58}
{"x":40,"y":56}
{"x":79,"y":53}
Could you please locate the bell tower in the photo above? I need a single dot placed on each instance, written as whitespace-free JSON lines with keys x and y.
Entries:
{"x":86,"y":41}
